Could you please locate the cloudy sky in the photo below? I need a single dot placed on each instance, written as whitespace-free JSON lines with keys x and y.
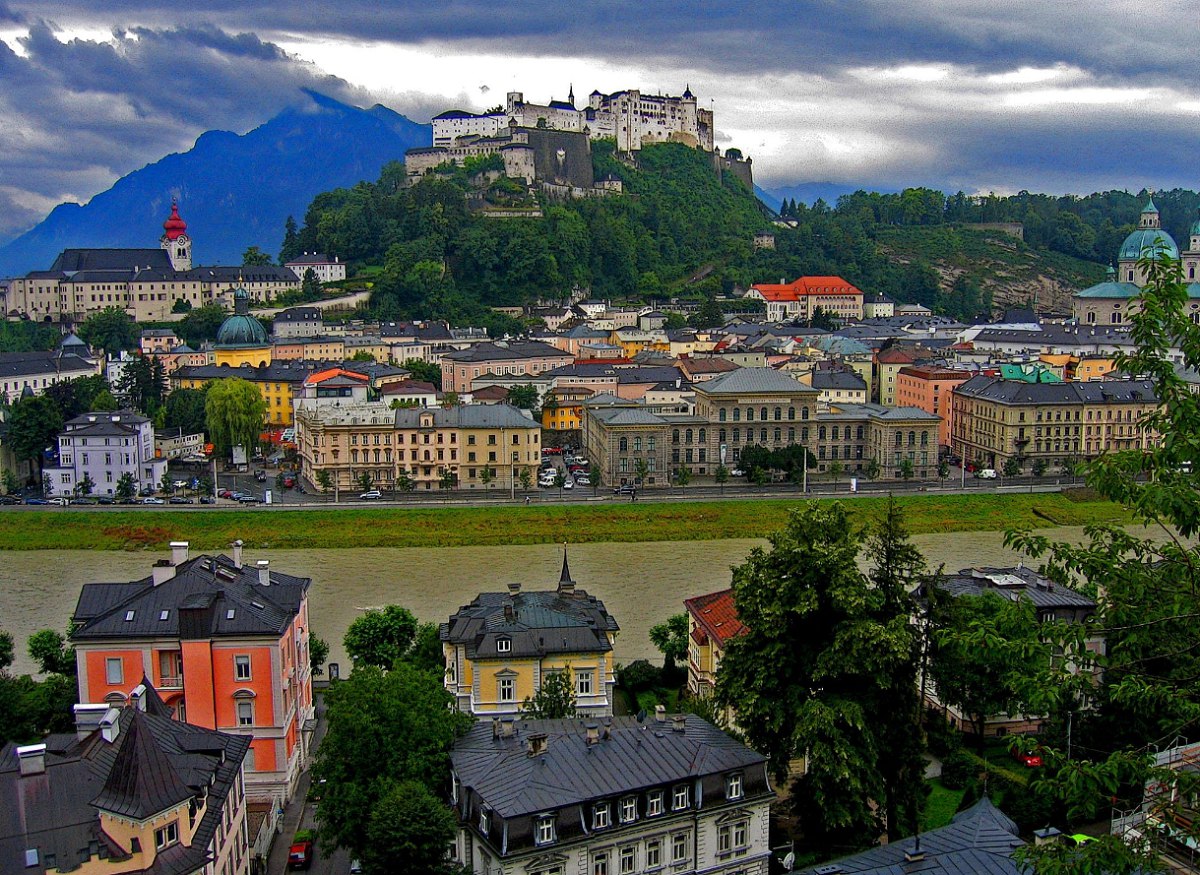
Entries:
{"x":959,"y":94}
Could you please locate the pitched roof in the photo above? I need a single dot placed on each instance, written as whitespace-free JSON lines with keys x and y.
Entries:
{"x":716,"y":614}
{"x":468,"y":416}
{"x":484,"y":352}
{"x":141,"y":781}
{"x":749,"y":381}
{"x":1090,"y":392}
{"x":1016,"y":583}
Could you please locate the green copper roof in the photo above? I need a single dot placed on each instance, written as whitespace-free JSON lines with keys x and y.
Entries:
{"x":241,"y":329}
{"x":1036,"y":374}
{"x":1148,"y":241}
{"x":1110,"y":290}
{"x":1149,"y":207}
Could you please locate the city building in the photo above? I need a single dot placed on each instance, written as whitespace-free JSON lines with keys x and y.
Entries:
{"x":174,"y":444}
{"x":501,"y":647}
{"x":837,"y":385}
{"x":887,"y":366}
{"x":131,"y":791}
{"x":157,"y":340}
{"x":801,"y":298}
{"x":38,"y":369}
{"x":242,"y":339}
{"x":878,"y":306}
{"x":434,"y":448}
{"x":562,"y":408}
{"x":930,"y":388}
{"x":226,"y":645}
{"x":995,"y":420}
{"x":323,"y":269}
{"x":279,"y":382}
{"x":623,"y":796}
{"x":712,"y":623}
{"x":101,"y":448}
{"x":460,"y":368}
{"x":298,"y":322}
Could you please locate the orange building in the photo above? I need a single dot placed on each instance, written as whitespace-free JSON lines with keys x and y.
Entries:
{"x":801,"y":298}
{"x":225,"y":645}
{"x":930,"y":389}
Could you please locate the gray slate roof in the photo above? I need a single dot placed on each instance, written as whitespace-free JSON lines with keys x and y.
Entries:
{"x":749,"y":381}
{"x":636,"y":756}
{"x":1091,"y":392}
{"x":24,"y":364}
{"x":483,"y":352}
{"x":1015,"y":583}
{"x":467,"y":416}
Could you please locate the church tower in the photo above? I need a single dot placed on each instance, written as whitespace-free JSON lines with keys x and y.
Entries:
{"x":176,"y":241}
{"x":1191,"y":258}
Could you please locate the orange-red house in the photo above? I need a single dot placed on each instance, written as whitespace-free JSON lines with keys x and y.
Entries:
{"x":801,"y":298}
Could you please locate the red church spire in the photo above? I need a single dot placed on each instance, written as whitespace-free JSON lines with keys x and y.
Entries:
{"x":174,"y":226}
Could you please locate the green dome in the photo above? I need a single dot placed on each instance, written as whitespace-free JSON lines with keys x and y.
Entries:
{"x":241,"y":329}
{"x":1148,"y":240}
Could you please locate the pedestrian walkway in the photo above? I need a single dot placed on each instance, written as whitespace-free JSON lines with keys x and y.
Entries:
{"x":298,"y":813}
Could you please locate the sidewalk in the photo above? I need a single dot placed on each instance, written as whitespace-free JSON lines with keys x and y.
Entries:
{"x":298,"y":812}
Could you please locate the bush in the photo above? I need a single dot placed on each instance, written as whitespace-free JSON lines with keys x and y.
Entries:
{"x":639,"y":675}
{"x":943,"y":738}
{"x":959,"y":769}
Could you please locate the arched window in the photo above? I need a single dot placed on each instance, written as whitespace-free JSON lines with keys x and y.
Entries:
{"x":762,"y":435}
{"x":623,"y":445}
{"x":778,"y":413}
{"x":779,"y":435}
{"x":674,"y":435}
{"x":703,"y":435}
{"x":912,"y":438}
{"x":821,"y":433}
{"x":737,"y":435}
{"x":804,"y":413}
{"x":763,"y":414}
{"x":749,"y":414}
{"x":687,"y":436}
{"x":721,"y":436}
{"x":721,"y":414}
{"x":899,"y":438}
{"x":924,"y":438}
{"x":804,"y":434}
{"x":737,"y":414}
{"x":791,"y":435}
{"x":791,"y":413}
{"x":859,"y":433}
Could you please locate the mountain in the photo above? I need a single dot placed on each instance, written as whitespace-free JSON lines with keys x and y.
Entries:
{"x":234,"y":191}
{"x":808,"y":193}
{"x":767,"y":198}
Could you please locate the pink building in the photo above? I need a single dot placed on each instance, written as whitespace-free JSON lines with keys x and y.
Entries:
{"x":931,"y":389}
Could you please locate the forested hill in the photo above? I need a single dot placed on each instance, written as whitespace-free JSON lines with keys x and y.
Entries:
{"x":680,"y":229}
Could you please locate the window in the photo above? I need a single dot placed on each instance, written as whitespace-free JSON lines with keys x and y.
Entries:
{"x":241,"y":668}
{"x":724,"y":839}
{"x":627,"y":860}
{"x":600,"y":816}
{"x":653,"y":854}
{"x":113,"y":671}
{"x":628,"y":810}
{"x":507,"y":689}
{"x":654,"y":803}
{"x":600,"y":863}
{"x":545,"y":830}
{"x":485,"y":820}
{"x":583,"y":683}
{"x":504,"y":645}
{"x":167,"y":835}
{"x":245,"y":713}
{"x":733,"y":787}
{"x":679,"y":847}
{"x":679,"y":799}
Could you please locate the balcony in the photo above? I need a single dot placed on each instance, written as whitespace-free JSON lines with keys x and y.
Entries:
{"x":170,"y":683}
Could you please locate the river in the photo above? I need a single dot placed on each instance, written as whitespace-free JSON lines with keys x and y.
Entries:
{"x":641,"y":584}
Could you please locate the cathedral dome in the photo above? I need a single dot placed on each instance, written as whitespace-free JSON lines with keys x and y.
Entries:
{"x":241,"y":329}
{"x":1149,"y":241}
{"x":174,"y":226}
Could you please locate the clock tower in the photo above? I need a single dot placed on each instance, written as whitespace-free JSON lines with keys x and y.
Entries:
{"x":176,"y":241}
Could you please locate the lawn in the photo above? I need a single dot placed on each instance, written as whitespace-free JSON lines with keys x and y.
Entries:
{"x":153,"y":529}
{"x":941,"y":805}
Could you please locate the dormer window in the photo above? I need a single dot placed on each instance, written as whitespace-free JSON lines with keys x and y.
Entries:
{"x":628,"y":809}
{"x":680,"y":798}
{"x":545,"y":830}
{"x":600,"y":818}
{"x":485,"y":820}
{"x":733,"y":786}
{"x":654,"y":803}
{"x":503,"y":645}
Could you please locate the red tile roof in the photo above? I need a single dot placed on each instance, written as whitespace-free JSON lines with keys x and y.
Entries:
{"x":716,"y":615}
{"x":805,"y":286}
{"x":895,"y":357}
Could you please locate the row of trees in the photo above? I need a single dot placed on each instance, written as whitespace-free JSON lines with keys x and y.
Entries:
{"x":30,"y":708}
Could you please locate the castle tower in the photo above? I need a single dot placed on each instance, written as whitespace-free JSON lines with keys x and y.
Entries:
{"x":176,"y":241}
{"x":1150,"y":217}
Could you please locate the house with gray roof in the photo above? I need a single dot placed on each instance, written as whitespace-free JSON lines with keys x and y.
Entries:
{"x":622,"y":795}
{"x":100,"y":448}
{"x":38,"y":369}
{"x":132,"y":790}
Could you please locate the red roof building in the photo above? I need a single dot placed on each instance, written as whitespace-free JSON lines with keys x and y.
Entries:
{"x":712,"y":623}
{"x":801,"y":298}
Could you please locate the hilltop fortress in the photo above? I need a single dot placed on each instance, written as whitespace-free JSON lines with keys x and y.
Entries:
{"x":550,"y":143}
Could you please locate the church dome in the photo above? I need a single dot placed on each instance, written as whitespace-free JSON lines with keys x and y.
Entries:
{"x":241,"y":329}
{"x":1148,"y":240}
{"x":174,"y":226}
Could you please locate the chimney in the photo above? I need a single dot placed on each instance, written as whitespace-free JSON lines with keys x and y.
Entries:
{"x":87,"y":719}
{"x":660,"y":713}
{"x":162,"y":571}
{"x":264,"y":572}
{"x":914,"y":854}
{"x":137,"y":697}
{"x":495,"y":728}
{"x":508,"y":727}
{"x":509,"y":613}
{"x":593,"y":734}
{"x":32,"y":759}
{"x":179,"y":552}
{"x":1046,"y":836}
{"x":237,"y":553}
{"x":110,"y":725}
{"x":514,"y":588}
{"x":536,"y":743}
{"x":678,"y":722}
{"x":606,"y":730}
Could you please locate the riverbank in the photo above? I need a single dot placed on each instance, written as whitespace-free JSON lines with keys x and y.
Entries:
{"x":153,"y":529}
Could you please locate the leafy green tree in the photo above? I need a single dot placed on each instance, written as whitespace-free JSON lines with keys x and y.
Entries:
{"x":185,"y":410}
{"x":234,"y":411}
{"x":526,"y":478}
{"x":385,"y":727}
{"x":201,"y":324}
{"x":85,"y":486}
{"x":310,"y":288}
{"x":143,"y":383}
{"x":50,"y":651}
{"x":1040,"y":466}
{"x":325,"y":480}
{"x":835,"y":471}
{"x":167,"y":484}
{"x":823,"y":647}
{"x":906,"y":469}
{"x":708,"y":315}
{"x":871,"y":471}
{"x":10,"y":481}
{"x":409,"y":823}
{"x":721,"y":476}
{"x":381,"y":637}
{"x":364,"y":482}
{"x":525,"y":397}
{"x":560,"y":480}
{"x":671,"y":638}
{"x":33,"y":427}
{"x":181,"y":305}
{"x":554,"y":699}
{"x":7,"y":650}
{"x":110,"y":329}
{"x":422,"y":370}
{"x":318,"y":652}
{"x":291,"y":241}
{"x":255,"y":257}
{"x":126,"y":486}
{"x":104,"y":402}
{"x":487,"y":476}
{"x":76,"y":396}
{"x":943,"y":470}
{"x":404,"y":481}
{"x":641,"y":469}
{"x":362,"y":356}
{"x":683,"y":476}
{"x":1012,"y":466}
{"x":447,"y":479}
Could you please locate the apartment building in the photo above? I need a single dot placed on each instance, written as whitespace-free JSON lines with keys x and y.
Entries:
{"x":101,"y":448}
{"x":501,"y":358}
{"x":995,"y":420}
{"x":622,"y":796}
{"x":801,"y":298}
{"x":501,"y":647}
{"x":37,"y":370}
{"x":930,"y":388}
{"x":225,"y":643}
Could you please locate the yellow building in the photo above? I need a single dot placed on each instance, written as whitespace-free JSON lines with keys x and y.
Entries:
{"x":502,"y":646}
{"x":278,"y":382}
{"x":635,"y":340}
{"x":712,"y":623}
{"x":562,"y":408}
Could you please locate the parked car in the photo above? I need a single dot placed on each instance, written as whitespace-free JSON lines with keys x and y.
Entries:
{"x":146,"y":491}
{"x":582,"y":480}
{"x":987,"y":474}
{"x":300,"y":855}
{"x":568,"y":484}
{"x":225,"y":493}
{"x":59,"y":501}
{"x":152,"y":500}
{"x":624,"y":490}
{"x":8,"y":499}
{"x":371,"y":494}
{"x":288,"y":481}
{"x":84,"y":500}
{"x":1030,"y":757}
{"x":250,"y":499}
{"x":104,"y":499}
{"x":207,"y":499}
{"x":179,"y":499}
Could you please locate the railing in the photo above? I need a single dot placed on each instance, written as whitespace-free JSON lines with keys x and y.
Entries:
{"x":171,"y":683}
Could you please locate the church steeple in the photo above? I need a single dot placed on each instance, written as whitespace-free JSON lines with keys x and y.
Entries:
{"x":566,"y":586}
{"x":175,"y":239}
{"x":571,"y":95}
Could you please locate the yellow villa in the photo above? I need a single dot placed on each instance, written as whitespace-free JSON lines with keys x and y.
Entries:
{"x":503,"y":645}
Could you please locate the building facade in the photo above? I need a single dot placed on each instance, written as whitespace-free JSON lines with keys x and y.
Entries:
{"x":930,"y":388}
{"x":502,"y":358}
{"x":326,"y":270}
{"x":226,"y":644}
{"x":101,"y":448}
{"x":616,"y":798}
{"x":37,"y":370}
{"x":801,"y":298}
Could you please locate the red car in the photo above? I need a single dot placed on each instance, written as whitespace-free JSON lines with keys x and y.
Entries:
{"x":300,"y":855}
{"x":1028,"y":757}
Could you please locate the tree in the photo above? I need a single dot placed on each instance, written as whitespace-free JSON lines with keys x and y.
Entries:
{"x":487,"y":476}
{"x":708,"y":315}
{"x":447,"y":479}
{"x":671,"y":638}
{"x":422,"y":370}
{"x":364,"y":482}
{"x":255,"y":257}
{"x":943,"y":470}
{"x":166,"y":485}
{"x":310,"y":288}
{"x":201,"y":324}
{"x":291,"y":241}
{"x":822,"y":648}
{"x":871,"y":471}
{"x":77,"y":396}
{"x":104,"y":402}
{"x":185,"y":410}
{"x":234,"y":411}
{"x":50,"y":651}
{"x":554,"y":699}
{"x":142,"y":383}
{"x":526,"y":478}
{"x":110,"y":329}
{"x":126,"y":486}
{"x":525,"y":397}
{"x":1040,"y":466}
{"x":382,"y":637}
{"x":318,"y":652}
{"x":560,"y":480}
{"x":10,"y":481}
{"x":404,"y":481}
{"x":835,"y":471}
{"x":362,"y":356}
{"x":385,"y":727}
{"x":325,"y":480}
{"x":85,"y":486}
{"x":409,"y":823}
{"x":683,"y":476}
{"x":1012,"y":466}
{"x":721,"y":475}
{"x":641,"y":469}
{"x":7,"y":650}
{"x":181,"y":305}
{"x":33,"y":427}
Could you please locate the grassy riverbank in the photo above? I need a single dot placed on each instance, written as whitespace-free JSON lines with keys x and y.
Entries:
{"x":476,"y":526}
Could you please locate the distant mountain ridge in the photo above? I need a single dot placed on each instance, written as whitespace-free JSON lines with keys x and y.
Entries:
{"x":808,"y":193}
{"x":234,"y":190}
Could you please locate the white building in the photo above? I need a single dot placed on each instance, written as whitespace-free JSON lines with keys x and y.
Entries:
{"x":34,"y":371}
{"x":104,"y":447}
{"x":323,"y":269}
{"x":552,"y":797}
